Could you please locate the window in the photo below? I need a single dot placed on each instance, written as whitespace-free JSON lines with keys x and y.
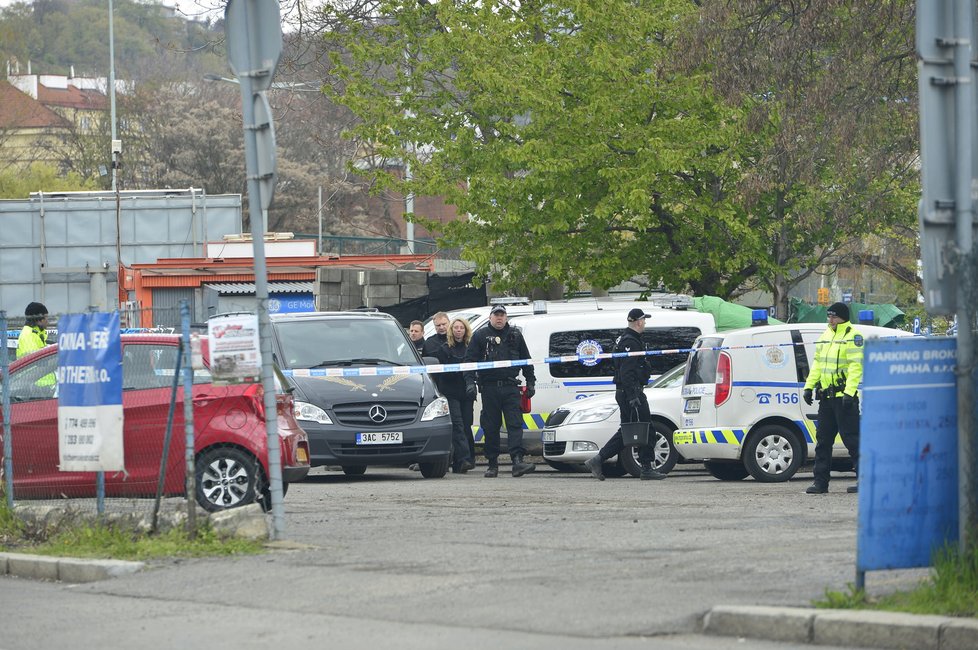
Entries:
{"x":703,"y":365}
{"x":656,"y":338}
{"x":152,"y":365}
{"x":340,"y":341}
{"x":35,"y":381}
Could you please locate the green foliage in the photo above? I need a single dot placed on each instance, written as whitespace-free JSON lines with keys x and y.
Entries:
{"x":18,"y":184}
{"x":55,"y":35}
{"x":592,"y":142}
{"x":77,"y":538}
{"x":105,"y":541}
{"x":950,"y":591}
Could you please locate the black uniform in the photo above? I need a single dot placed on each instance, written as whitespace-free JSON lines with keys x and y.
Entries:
{"x":433,"y":344}
{"x":419,"y":346}
{"x":500,"y":387}
{"x":631,"y":376}
{"x":452,"y":386}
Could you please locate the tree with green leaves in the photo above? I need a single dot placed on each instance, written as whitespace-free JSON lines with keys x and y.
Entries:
{"x":19,"y":183}
{"x":591,"y":142}
{"x":559,"y":127}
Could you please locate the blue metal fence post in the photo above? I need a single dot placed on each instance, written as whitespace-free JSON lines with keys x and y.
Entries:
{"x":188,"y":419}
{"x":100,"y":475}
{"x":8,"y":463}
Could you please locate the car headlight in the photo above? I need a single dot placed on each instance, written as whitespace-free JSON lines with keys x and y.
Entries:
{"x":438,"y":408}
{"x":593,"y":414}
{"x":311,"y":413}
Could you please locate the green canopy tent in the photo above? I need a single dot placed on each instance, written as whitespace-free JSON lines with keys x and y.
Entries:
{"x":883,"y":315}
{"x":727,"y":315}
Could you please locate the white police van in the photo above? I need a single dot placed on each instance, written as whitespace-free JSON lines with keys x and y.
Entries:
{"x":742,"y":401}
{"x":594,"y":333}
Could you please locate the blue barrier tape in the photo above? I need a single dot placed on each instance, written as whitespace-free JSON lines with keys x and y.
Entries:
{"x":434,"y":369}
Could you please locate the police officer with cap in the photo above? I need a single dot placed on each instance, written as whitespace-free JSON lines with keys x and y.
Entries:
{"x":631,"y":376}
{"x":500,"y":388}
{"x":34,"y":335}
{"x":834,"y":382}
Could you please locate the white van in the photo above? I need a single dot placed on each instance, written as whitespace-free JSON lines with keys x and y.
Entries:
{"x":520,"y":306}
{"x":595,"y":332}
{"x":742,"y":403}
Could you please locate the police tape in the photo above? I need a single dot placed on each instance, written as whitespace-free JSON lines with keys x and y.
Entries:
{"x":438,"y":368}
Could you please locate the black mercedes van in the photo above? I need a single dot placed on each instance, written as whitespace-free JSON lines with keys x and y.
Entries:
{"x":368,"y":416}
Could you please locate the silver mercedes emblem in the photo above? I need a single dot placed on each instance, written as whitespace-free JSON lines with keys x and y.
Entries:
{"x":377,"y":413}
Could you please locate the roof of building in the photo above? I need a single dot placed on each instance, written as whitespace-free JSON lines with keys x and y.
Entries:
{"x":72,"y":97}
{"x":19,"y":110}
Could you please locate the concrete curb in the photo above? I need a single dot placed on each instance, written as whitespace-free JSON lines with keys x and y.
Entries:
{"x":868,"y":629}
{"x":65,"y":569}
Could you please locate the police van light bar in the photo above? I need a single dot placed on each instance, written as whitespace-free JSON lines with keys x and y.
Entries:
{"x":510,"y":300}
{"x":673,"y":301}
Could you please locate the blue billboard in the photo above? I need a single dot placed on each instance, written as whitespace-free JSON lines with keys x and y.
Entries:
{"x":89,"y":379}
{"x":908,"y":464}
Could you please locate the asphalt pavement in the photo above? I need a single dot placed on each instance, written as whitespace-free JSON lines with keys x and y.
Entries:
{"x":548,"y":560}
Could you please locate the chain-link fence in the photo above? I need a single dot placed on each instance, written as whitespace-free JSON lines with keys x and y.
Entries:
{"x":226,"y":433}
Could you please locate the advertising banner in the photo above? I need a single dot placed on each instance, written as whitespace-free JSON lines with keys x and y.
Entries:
{"x":235,"y":355}
{"x":908,"y":465}
{"x":90,"y":393}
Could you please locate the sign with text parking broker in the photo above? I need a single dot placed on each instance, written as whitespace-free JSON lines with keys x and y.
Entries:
{"x":908,"y":469}
{"x":90,"y":393}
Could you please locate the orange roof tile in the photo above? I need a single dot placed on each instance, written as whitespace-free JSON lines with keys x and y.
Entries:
{"x":21,"y":111}
{"x":72,"y":97}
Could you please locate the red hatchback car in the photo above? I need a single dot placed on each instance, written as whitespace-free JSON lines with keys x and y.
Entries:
{"x":230,"y":447}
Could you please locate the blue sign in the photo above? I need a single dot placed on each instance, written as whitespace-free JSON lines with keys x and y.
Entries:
{"x":90,"y":393}
{"x":908,"y":468}
{"x":290,"y":303}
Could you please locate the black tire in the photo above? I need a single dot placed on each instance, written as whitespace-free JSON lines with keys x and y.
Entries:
{"x":227,"y":477}
{"x":726,"y":471}
{"x":563,"y":467}
{"x":434,"y":469}
{"x":354,"y":470}
{"x":773,"y":453}
{"x":665,"y":457}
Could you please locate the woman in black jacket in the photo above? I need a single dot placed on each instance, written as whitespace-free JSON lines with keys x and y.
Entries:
{"x":452,"y":386}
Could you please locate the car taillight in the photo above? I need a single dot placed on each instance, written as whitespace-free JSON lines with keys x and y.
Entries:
{"x":722,"y":393}
{"x":254,"y":393}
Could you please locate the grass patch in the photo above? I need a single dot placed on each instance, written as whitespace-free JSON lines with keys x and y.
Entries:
{"x":951,"y":590}
{"x":87,"y":539}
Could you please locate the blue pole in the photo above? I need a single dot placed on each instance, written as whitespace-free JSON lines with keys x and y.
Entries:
{"x":188,"y":420}
{"x":8,"y":463}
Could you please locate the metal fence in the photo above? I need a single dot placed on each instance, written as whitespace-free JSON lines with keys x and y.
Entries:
{"x":158,"y":388}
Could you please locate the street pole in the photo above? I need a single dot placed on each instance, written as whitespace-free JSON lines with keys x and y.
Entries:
{"x":254,"y":38}
{"x":963,"y":219}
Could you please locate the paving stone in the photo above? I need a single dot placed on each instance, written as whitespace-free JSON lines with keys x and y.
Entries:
{"x":773,"y":623}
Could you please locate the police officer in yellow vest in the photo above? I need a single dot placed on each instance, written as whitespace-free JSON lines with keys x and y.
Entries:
{"x":835,"y":378}
{"x":34,"y":335}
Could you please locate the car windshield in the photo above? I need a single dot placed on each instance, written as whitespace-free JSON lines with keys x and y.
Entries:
{"x":344,"y":342}
{"x":670,"y":378}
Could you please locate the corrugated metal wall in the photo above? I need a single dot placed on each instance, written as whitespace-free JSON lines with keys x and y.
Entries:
{"x":55,"y":248}
{"x":166,"y":306}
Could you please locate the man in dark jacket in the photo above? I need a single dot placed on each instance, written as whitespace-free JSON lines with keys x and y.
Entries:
{"x":500,"y":388}
{"x":416,"y":334}
{"x":631,"y":376}
{"x":433,"y":343}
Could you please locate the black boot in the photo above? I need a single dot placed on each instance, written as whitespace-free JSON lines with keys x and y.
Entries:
{"x":649,"y":474}
{"x":519,"y":467}
{"x":493,"y":470}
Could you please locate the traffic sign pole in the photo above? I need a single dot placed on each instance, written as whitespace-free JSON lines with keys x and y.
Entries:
{"x":254,"y":41}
